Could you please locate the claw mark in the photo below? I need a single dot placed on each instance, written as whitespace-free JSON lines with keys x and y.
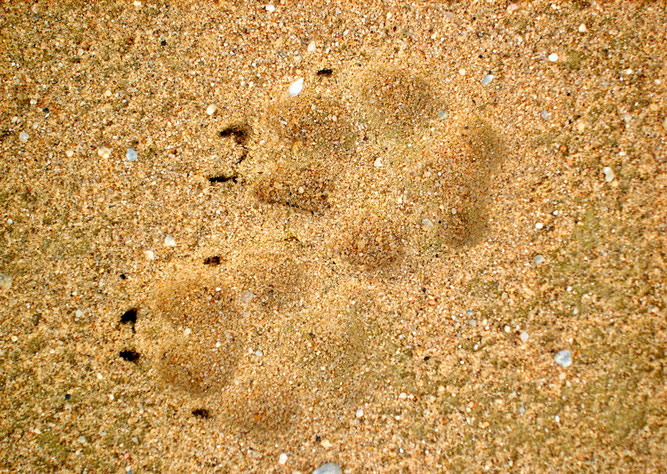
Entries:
{"x":240,"y":133}
{"x":223,"y":179}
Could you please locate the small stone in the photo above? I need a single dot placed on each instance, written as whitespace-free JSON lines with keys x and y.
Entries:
{"x":23,"y":136}
{"x":522,"y":410}
{"x":131,"y":154}
{"x":487,"y":79}
{"x":210,"y":110}
{"x":311,"y":47}
{"x":270,"y":8}
{"x":427,"y":223}
{"x":538,"y":259}
{"x":247,"y":296}
{"x":169,"y":241}
{"x":582,"y":28}
{"x":5,"y":282}
{"x":283,"y":458}
{"x":462,"y":72}
{"x":512,"y":8}
{"x":507,"y":329}
{"x":259,"y":353}
{"x":328,"y":468}
{"x":78,"y":313}
{"x":442,"y":115}
{"x":326,"y":443}
{"x":539,"y":226}
{"x":523,"y":336}
{"x":82,"y":439}
{"x":187,"y":332}
{"x":563,"y":358}
{"x":553,"y":57}
{"x":378,"y":163}
{"x":69,"y":153}
{"x":296,"y":87}
{"x":149,"y":255}
{"x":581,"y":125}
{"x":137,"y":3}
{"x":403,"y":396}
{"x":608,"y":174}
{"x":360,"y":413}
{"x":104,"y":152}
{"x":546,"y":115}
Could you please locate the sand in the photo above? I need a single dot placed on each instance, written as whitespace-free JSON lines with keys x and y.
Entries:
{"x":375,"y":269}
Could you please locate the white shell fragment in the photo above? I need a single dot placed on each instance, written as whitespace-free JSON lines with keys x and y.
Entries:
{"x":608,"y":174}
{"x":487,"y":79}
{"x":296,"y":87}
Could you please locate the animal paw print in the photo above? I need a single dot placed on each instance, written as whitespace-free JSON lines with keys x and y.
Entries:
{"x":360,"y":181}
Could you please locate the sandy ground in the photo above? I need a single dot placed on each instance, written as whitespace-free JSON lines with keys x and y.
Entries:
{"x":378,"y":271}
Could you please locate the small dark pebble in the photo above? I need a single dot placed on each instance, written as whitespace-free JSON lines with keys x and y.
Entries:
{"x":129,"y":317}
{"x":45,"y":110}
{"x":214,"y":260}
{"x":201,"y":413}
{"x":326,"y":72}
{"x":163,"y":42}
{"x":427,"y":358}
{"x":122,"y":276}
{"x":67,"y":396}
{"x":318,"y":438}
{"x":130,"y":356}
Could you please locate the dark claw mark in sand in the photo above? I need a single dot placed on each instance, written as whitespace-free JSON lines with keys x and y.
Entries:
{"x":130,"y":355}
{"x":222,"y":179}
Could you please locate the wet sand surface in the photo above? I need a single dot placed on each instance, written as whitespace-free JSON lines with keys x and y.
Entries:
{"x":397,"y":236}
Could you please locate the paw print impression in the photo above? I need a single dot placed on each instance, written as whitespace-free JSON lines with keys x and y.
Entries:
{"x":357,"y":181}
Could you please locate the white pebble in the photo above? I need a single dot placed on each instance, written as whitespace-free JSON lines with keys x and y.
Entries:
{"x":608,"y":174}
{"x":553,"y":57}
{"x":149,"y":255}
{"x":442,"y":115}
{"x":328,"y":468}
{"x":5,"y":282}
{"x":283,"y":458}
{"x":523,"y":336}
{"x":23,"y":137}
{"x":311,"y":47}
{"x":507,"y":329}
{"x":69,"y":153}
{"x":210,"y":110}
{"x":360,"y":413}
{"x":546,"y":115}
{"x":538,"y":259}
{"x":82,"y":439}
{"x":104,"y":152}
{"x":378,"y":163}
{"x":582,"y":28}
{"x":169,"y":241}
{"x":539,"y":226}
{"x":131,"y":154}
{"x":270,"y":8}
{"x":487,"y":79}
{"x":563,"y":358}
